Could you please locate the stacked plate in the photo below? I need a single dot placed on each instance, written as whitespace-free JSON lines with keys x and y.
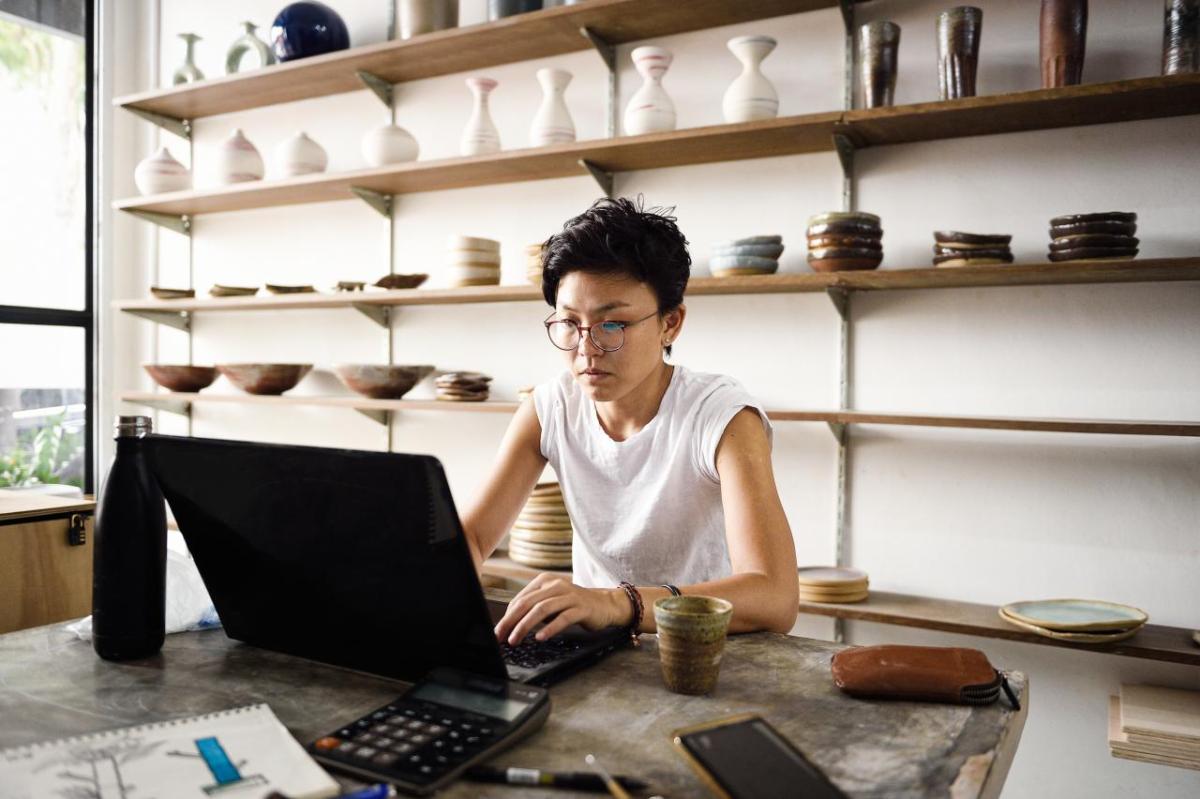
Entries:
{"x":1094,"y":237}
{"x":842,"y":241}
{"x":541,"y":537}
{"x":1081,"y":621}
{"x":955,"y":248}
{"x":1152,"y":724}
{"x":753,"y":255}
{"x":473,"y":261}
{"x":832,"y":584}
{"x":462,"y":386}
{"x":524,"y":393}
{"x":533,"y":264}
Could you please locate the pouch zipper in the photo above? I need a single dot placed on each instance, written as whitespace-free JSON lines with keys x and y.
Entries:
{"x":990,"y":692}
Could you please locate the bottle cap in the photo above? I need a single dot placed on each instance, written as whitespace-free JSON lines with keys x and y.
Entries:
{"x":133,"y":427}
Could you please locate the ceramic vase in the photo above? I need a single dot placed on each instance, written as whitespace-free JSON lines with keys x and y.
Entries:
{"x":248,"y":43}
{"x":1063,"y":37}
{"x":238,"y":160}
{"x":879,"y":44}
{"x":498,"y":9}
{"x":552,"y":124}
{"x":427,"y":16}
{"x":306,"y":29}
{"x":650,"y":109}
{"x":161,"y":173}
{"x":480,"y":137}
{"x":389,"y":144}
{"x":1181,"y":37}
{"x":188,"y":72}
{"x":300,"y":155}
{"x":958,"y":31}
{"x":751,"y":96}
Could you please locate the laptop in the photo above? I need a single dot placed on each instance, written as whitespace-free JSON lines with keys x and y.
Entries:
{"x":351,"y":558}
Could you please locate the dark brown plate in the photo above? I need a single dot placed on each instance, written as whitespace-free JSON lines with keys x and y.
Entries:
{"x":1103,"y":216}
{"x":851,"y":242}
{"x":845,"y":229}
{"x":172,"y":294}
{"x":401,"y":281}
{"x":181,"y":378}
{"x":1112,"y":228}
{"x":949,"y":252}
{"x":974,"y":255}
{"x":1085,"y":253}
{"x":274,"y":288}
{"x":232,"y":291}
{"x":958,"y":237}
{"x":1093,"y":240}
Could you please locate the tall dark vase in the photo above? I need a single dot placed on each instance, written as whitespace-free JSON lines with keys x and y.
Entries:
{"x":1181,"y":37}
{"x":1063,"y":37}
{"x":507,"y":8}
{"x":958,"y":31}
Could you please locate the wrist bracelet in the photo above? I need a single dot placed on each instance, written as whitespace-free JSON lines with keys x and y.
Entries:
{"x":674,"y":591}
{"x":635,"y":601}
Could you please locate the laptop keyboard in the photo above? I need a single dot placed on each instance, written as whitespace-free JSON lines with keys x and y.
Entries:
{"x":531,"y":653}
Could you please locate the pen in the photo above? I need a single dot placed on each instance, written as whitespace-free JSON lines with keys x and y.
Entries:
{"x":613,"y":788}
{"x":574,"y":780}
{"x":380,"y":791}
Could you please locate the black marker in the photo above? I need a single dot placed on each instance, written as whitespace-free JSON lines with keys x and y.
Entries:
{"x":575,"y":780}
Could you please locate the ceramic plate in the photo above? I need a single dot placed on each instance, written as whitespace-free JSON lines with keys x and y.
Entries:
{"x":1077,"y":638}
{"x":831,"y":576}
{"x":1076,"y":615}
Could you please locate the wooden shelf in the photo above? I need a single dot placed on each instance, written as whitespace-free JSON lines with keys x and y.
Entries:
{"x":1139,"y":98}
{"x":350,"y":402}
{"x":1153,"y":642}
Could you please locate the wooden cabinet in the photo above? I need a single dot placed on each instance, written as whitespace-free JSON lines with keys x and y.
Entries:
{"x":45,"y":576}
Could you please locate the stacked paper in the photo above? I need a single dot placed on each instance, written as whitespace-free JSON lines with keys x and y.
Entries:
{"x":1155,"y":725}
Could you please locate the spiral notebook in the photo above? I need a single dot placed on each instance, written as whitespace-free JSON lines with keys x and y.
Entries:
{"x":243,"y":752}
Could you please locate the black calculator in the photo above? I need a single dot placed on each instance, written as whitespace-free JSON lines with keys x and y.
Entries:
{"x":437,"y":729}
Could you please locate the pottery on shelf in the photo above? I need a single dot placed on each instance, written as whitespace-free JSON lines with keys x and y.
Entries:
{"x":248,"y":43}
{"x":264,"y":378}
{"x":879,"y":46}
{"x":275,"y":288}
{"x":480,"y":136}
{"x":381,"y":381}
{"x":161,"y":173}
{"x":650,"y":109}
{"x":426,"y":16}
{"x":182,"y":378}
{"x":751,"y":96}
{"x":188,"y":72}
{"x":300,"y":155}
{"x":498,"y":9}
{"x":400,"y":281}
{"x":164,"y":293}
{"x":1181,"y":37}
{"x":307,"y":29}
{"x":389,"y":144}
{"x":1063,"y":32}
{"x":218,"y":290}
{"x":958,"y":32}
{"x":237,"y":160}
{"x":552,"y":124}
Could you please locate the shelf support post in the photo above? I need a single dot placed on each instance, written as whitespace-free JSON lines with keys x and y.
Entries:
{"x":380,"y":87}
{"x":603,"y":178}
{"x":847,"y":7}
{"x":845,"y":150}
{"x":839,"y":431}
{"x":180,"y":320}
{"x":841,"y":300}
{"x":377,"y":200}
{"x":379,"y":314}
{"x":180,"y":127}
{"x":181,"y":407}
{"x":607,"y":52}
{"x":180,"y":223}
{"x":381,"y":416}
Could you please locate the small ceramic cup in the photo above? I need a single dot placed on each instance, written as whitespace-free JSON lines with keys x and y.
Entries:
{"x":691,"y":638}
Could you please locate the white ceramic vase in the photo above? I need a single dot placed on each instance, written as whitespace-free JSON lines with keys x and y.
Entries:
{"x":161,"y":173}
{"x":300,"y":155}
{"x":237,"y":160}
{"x":650,"y":109}
{"x":751,"y":96}
{"x":552,"y":124}
{"x":389,"y":144}
{"x":480,"y":137}
{"x":188,"y":72}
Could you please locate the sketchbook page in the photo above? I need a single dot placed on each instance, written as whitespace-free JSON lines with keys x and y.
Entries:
{"x":244,"y":753}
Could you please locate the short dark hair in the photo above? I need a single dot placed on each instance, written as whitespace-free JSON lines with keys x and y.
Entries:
{"x":620,"y":237}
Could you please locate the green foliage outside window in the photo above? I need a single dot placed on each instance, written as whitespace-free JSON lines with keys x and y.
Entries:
{"x":43,"y":456}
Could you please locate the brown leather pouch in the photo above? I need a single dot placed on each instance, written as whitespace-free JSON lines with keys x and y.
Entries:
{"x":923,"y":673}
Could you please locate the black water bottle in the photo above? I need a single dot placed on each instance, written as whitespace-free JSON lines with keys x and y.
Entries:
{"x":129,"y":567}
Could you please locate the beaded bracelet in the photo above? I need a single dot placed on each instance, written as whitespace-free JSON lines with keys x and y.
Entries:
{"x":635,"y":600}
{"x":674,"y":591}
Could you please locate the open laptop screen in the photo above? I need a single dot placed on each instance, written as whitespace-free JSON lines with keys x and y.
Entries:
{"x":347,"y":557}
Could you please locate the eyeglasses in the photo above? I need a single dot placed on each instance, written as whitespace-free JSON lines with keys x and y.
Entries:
{"x":608,"y":336}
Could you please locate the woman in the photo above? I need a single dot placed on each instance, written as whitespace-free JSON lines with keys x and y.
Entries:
{"x":666,"y":473}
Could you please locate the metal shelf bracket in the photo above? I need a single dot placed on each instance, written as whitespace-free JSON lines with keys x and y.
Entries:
{"x":607,"y":51}
{"x":376,"y":415}
{"x":180,"y":127}
{"x":839,"y":431}
{"x":603,"y":179}
{"x":380,"y":202}
{"x":840,"y":299}
{"x":383,"y":89}
{"x":180,"y":320}
{"x":847,"y":7}
{"x":379,"y":314}
{"x":180,"y":223}
{"x":181,"y":407}
{"x":845,"y":149}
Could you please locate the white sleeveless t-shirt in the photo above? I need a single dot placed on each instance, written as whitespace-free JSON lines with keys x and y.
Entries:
{"x":647,"y":509}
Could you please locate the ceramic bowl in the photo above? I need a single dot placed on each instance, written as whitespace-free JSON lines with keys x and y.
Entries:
{"x":477,"y":272}
{"x":389,"y":144}
{"x":725,"y":262}
{"x":752,"y":240}
{"x":842,"y":260}
{"x":1080,"y":228}
{"x":1093,"y":240}
{"x":172,"y":294}
{"x":277,"y":289}
{"x":473,"y":257}
{"x":772,"y":251}
{"x":264,"y":378}
{"x":472,"y":243}
{"x":181,"y":378}
{"x":844,"y":242}
{"x":1105,"y":216}
{"x":232,"y":291}
{"x":845,"y":229}
{"x":381,"y":381}
{"x":983,"y":239}
{"x":1093,"y":254}
{"x":400,"y":281}
{"x":978,"y":252}
{"x":852,"y":217}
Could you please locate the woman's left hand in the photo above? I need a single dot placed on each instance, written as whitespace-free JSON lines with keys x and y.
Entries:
{"x":554,"y":599}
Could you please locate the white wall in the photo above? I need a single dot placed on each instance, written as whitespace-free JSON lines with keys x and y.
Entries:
{"x":983,"y":516}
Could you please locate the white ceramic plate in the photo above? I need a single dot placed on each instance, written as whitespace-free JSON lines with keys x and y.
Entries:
{"x":1077,"y":638}
{"x":1076,"y":615}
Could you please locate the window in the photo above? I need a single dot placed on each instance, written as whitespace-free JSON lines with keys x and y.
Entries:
{"x":46,"y":314}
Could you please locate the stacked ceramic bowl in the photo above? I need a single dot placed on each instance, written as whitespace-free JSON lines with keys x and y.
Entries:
{"x":1094,"y":237}
{"x":754,"y":255}
{"x":472,"y":261}
{"x":533,"y":264}
{"x":541,"y":537}
{"x":955,"y":248}
{"x":462,"y":386}
{"x":832,"y":584}
{"x":842,"y":241}
{"x":1080,"y":621}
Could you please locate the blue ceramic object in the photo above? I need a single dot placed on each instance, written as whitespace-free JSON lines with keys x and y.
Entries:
{"x":307,"y":29}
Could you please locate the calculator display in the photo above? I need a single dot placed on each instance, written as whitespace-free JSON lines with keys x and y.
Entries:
{"x":494,"y":706}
